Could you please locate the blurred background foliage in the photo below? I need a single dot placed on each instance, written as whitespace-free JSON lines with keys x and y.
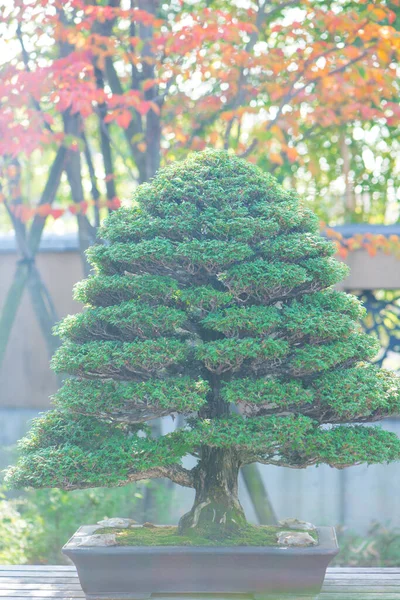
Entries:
{"x":34,"y":526}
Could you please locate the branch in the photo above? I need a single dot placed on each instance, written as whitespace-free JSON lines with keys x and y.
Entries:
{"x":250,"y":149}
{"x":281,"y":7}
{"x":135,"y":126}
{"x":93,"y":180}
{"x":239,"y":98}
{"x":47,"y":197}
{"x":105,"y":140}
{"x":175,"y":473}
{"x":86,"y":231}
{"x":153,"y":121}
{"x":276,"y":462}
{"x":118,"y":150}
{"x":25,"y":58}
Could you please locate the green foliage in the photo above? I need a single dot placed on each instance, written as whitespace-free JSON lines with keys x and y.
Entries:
{"x":213,"y":289}
{"x":325,"y":272}
{"x":241,"y":320}
{"x":263,"y":280}
{"x":313,"y":359}
{"x":380,"y":547}
{"x":316,"y":316}
{"x":331,"y":300}
{"x":269,"y":392}
{"x":159,"y":255}
{"x":255,"y":436}
{"x":209,"y":180}
{"x":359,"y":393}
{"x":290,"y":216}
{"x":362,"y":392}
{"x":100,"y":290}
{"x":229,"y":354}
{"x":345,"y":446}
{"x":311,"y":316}
{"x":119,"y":359}
{"x":198,"y":301}
{"x":14,"y":534}
{"x":296,"y":440}
{"x":35,"y":525}
{"x":297,"y":246}
{"x":132,"y":401}
{"x":124,"y":322}
{"x":134,"y":225}
{"x":64,"y":450}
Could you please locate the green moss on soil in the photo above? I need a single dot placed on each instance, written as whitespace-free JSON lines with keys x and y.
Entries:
{"x":250,"y":535}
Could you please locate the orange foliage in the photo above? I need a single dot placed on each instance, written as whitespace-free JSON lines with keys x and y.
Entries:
{"x":223,"y":75}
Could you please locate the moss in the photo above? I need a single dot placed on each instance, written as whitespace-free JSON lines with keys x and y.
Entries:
{"x":250,"y":535}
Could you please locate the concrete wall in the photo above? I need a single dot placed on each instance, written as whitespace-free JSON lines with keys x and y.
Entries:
{"x":25,"y":377}
{"x":380,"y":272}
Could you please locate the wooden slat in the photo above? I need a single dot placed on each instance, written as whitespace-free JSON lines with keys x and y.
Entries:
{"x":364,"y":582}
{"x":61,"y":582}
{"x":37,"y":567}
{"x":363,"y":576}
{"x":349,"y":596}
{"x":36,"y":580}
{"x":356,"y":570}
{"x":73,"y":587}
{"x":39,"y":593}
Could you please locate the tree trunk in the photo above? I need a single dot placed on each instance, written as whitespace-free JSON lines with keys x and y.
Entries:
{"x":349,"y":198}
{"x":216,"y":506}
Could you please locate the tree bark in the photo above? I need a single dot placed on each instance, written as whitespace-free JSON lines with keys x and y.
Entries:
{"x":153,"y":121}
{"x":86,"y":232}
{"x":349,"y":198}
{"x":216,"y":506}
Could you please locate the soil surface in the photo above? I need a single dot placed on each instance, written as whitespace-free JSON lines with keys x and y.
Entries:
{"x":152,"y":535}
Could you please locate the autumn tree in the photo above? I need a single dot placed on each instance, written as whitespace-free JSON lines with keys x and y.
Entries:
{"x":103,"y":92}
{"x":213,"y":291}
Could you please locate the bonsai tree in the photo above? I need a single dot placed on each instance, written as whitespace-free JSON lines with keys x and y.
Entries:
{"x":212,"y":297}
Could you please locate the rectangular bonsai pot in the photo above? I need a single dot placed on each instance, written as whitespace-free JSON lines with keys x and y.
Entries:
{"x":136,"y":572}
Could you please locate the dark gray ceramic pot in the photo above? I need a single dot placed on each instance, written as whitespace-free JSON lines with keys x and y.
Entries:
{"x":136,"y":572}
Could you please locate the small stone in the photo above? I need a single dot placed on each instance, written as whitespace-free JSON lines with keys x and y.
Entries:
{"x":295,"y":538}
{"x":102,"y":539}
{"x":297,"y":524}
{"x":116,"y":522}
{"x":149,"y":525}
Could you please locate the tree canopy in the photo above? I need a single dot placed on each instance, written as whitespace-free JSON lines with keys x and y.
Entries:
{"x":213,"y":291}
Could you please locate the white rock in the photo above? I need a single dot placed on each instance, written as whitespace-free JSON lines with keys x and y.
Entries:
{"x":102,"y":539}
{"x":116,"y":522}
{"x":295,"y":538}
{"x":88,"y":530}
{"x":297,"y":524}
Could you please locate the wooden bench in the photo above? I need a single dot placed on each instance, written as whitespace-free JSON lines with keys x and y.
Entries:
{"x":61,"y":583}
